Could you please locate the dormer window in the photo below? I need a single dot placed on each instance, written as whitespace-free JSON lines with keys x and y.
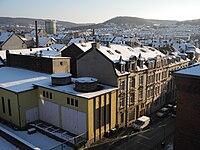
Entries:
{"x":122,"y":68}
{"x":132,"y":67}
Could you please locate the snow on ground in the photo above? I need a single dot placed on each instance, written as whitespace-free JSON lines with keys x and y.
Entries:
{"x":40,"y":140}
{"x":5,"y":145}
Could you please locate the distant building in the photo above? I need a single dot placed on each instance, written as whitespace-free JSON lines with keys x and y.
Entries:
{"x":50,"y":26}
{"x":9,"y":40}
{"x":187,"y":132}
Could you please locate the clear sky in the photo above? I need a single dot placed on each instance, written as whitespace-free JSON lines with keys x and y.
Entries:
{"x":97,"y":11}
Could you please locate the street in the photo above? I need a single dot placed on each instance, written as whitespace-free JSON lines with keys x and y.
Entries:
{"x":151,"y":138}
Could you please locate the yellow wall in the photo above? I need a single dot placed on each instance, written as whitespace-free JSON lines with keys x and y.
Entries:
{"x":14,"y":118}
{"x":27,"y":100}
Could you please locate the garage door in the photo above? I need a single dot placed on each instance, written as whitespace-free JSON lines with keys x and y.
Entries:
{"x":49,"y":112}
{"x":73,"y":121}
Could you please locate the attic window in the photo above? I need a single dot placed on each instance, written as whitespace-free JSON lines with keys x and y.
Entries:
{"x":110,"y":52}
{"x":118,"y":52}
{"x":143,"y":50}
{"x":130,"y":49}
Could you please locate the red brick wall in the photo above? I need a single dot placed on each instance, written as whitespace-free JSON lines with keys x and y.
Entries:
{"x":187,"y":133}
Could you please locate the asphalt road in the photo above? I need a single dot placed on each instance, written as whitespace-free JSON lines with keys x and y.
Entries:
{"x":149,"y":139}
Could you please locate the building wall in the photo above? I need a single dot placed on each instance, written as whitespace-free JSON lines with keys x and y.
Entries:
{"x":14,"y":42}
{"x":89,"y":106}
{"x":27,"y":100}
{"x":38,"y":64}
{"x":94,"y":64}
{"x":73,"y":52}
{"x":61,"y":65}
{"x":13,"y":117}
{"x":101,"y":115}
{"x":187,"y":133}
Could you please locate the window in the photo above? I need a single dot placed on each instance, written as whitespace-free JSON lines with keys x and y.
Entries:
{"x":47,"y":94}
{"x":3,"y":105}
{"x":140,"y":94}
{"x":122,"y":68}
{"x":132,"y":66}
{"x":141,"y":80}
{"x":61,"y":63}
{"x":9,"y":107}
{"x":50,"y":95}
{"x":131,"y":98}
{"x":43,"y":93}
{"x":76,"y":103}
{"x":68,"y":100}
{"x":132,"y":83}
{"x":122,"y":86}
{"x":72,"y":101}
{"x":122,"y":101}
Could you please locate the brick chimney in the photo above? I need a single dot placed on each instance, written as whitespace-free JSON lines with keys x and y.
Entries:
{"x":36,"y":33}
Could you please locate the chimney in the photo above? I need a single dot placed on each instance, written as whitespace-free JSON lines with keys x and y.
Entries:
{"x":108,"y":45}
{"x":36,"y":33}
{"x":95,"y":45}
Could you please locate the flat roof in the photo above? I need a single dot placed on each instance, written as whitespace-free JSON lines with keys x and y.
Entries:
{"x":19,"y":80}
{"x":192,"y":71}
{"x":69,"y":89}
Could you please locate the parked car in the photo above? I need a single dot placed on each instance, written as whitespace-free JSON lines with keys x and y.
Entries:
{"x":141,"y":123}
{"x":169,"y":106}
{"x":174,"y":111}
{"x":163,"y":112}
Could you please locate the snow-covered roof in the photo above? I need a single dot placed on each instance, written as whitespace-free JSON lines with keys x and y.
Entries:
{"x":76,"y":40}
{"x":58,"y":47}
{"x":115,"y":51}
{"x":46,"y":51}
{"x":193,"y":70}
{"x":69,"y":89}
{"x":4,"y":36}
{"x":19,"y":80}
{"x":44,"y":40}
{"x":84,"y":46}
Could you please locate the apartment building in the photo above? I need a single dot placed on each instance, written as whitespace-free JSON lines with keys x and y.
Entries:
{"x":141,"y":74}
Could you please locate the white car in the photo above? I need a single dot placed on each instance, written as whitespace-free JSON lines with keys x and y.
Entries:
{"x":141,"y":123}
{"x":163,"y":112}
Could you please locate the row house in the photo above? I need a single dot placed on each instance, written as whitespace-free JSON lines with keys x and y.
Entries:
{"x":142,"y":75}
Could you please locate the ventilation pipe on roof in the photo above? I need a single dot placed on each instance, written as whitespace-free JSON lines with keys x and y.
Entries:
{"x":36,"y":33}
{"x":95,"y":45}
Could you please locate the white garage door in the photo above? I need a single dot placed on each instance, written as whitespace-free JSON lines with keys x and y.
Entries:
{"x":73,"y":121}
{"x":49,"y":112}
{"x":31,"y":115}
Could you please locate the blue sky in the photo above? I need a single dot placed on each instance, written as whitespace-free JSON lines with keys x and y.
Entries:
{"x":91,"y":11}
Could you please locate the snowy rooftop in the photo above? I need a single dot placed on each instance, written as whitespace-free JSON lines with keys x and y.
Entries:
{"x":116,"y":50}
{"x":4,"y":36}
{"x":18,"y":80}
{"x":46,"y":51}
{"x":69,"y":89}
{"x":84,"y":46}
{"x":192,"y":71}
{"x":58,"y":47}
{"x":76,"y":40}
